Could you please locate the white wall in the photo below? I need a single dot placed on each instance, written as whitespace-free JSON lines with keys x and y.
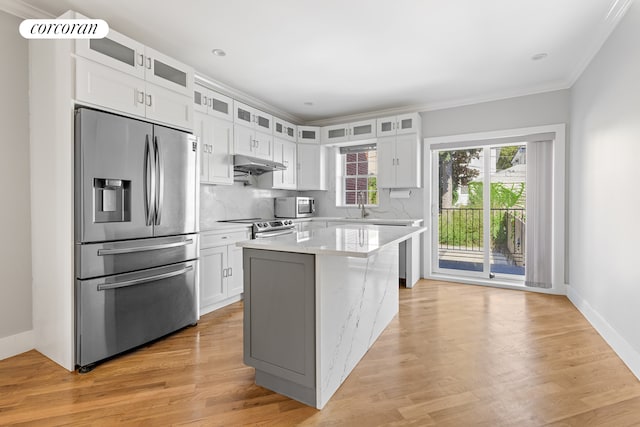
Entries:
{"x":604,"y":196}
{"x":521,"y":112}
{"x":15,"y":251}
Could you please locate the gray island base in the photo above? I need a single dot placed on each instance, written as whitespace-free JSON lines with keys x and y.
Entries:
{"x":315,"y":303}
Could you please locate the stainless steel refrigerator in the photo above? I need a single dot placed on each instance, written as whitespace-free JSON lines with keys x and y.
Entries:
{"x":136,"y":241}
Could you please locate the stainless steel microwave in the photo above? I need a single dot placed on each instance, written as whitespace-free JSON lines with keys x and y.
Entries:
{"x":294,"y":207}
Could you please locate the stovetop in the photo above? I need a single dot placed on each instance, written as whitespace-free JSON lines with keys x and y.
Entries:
{"x":262,"y":224}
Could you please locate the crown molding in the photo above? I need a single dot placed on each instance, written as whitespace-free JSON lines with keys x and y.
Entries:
{"x":434,"y":106}
{"x":616,"y":12}
{"x":23,"y":10}
{"x":245,"y":98}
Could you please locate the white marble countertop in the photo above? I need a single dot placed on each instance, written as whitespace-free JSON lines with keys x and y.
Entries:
{"x":350,"y":240}
{"x":224,"y":226}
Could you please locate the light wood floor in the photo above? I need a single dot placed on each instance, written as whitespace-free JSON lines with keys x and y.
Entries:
{"x":457,"y":355}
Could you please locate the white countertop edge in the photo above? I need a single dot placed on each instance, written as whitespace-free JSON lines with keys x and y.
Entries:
{"x":361,"y":220}
{"x":278,"y":246}
{"x":223,"y":227}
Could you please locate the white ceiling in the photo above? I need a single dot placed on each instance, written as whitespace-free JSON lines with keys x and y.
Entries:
{"x":355,"y":56}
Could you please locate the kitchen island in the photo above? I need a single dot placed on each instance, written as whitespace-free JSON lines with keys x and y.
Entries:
{"x":315,"y":302}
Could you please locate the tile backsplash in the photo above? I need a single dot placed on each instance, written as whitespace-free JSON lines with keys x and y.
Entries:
{"x":221,"y":202}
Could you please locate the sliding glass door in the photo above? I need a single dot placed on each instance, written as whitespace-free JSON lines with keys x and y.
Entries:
{"x":480,"y":217}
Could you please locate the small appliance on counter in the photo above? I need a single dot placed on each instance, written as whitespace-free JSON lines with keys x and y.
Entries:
{"x":294,"y":207}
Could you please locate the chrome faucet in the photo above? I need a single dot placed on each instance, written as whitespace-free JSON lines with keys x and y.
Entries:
{"x":362,"y":198}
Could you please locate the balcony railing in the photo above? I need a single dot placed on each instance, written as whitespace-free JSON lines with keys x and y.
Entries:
{"x":462,"y":230}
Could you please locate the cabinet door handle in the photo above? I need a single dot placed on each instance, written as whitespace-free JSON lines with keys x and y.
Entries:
{"x":230,"y":272}
{"x":224,"y":272}
{"x":211,"y":102}
{"x":397,"y":161}
{"x":140,"y":96}
{"x":204,"y":100}
{"x":141,"y":58}
{"x":149,"y":100}
{"x":148,"y":62}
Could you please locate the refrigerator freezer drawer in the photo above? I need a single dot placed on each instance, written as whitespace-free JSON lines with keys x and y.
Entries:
{"x":118,"y":313}
{"x":104,"y":259}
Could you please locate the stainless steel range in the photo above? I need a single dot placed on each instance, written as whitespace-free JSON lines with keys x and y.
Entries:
{"x":262,"y":228}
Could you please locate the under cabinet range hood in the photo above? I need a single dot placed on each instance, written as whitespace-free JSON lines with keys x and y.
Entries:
{"x":255,"y":166}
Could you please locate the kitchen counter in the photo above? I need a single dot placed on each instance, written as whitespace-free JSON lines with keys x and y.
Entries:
{"x":315,"y":302}
{"x":224,"y":226}
{"x":356,"y":240}
{"x":415,"y":222}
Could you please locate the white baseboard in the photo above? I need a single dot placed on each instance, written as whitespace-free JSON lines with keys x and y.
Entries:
{"x":16,"y":344}
{"x":213,"y":307}
{"x":623,"y":349}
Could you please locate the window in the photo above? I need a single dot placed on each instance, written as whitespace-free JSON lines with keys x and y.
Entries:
{"x":359,"y":175}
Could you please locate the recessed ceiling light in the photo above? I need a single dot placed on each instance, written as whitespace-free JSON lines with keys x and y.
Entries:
{"x":219,"y":52}
{"x":308,"y":103}
{"x":539,"y":56}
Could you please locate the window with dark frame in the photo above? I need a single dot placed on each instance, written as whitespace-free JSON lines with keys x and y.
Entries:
{"x":360,"y":169}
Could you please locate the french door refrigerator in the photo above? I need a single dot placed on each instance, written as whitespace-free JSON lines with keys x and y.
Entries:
{"x":136,"y":241}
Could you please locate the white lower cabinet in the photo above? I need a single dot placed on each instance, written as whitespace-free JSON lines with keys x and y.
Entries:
{"x":221,"y":278}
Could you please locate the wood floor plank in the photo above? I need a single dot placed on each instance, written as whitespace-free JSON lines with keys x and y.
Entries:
{"x":456,"y":355}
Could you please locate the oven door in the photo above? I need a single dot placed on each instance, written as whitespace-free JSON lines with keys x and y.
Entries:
{"x":274,"y":233}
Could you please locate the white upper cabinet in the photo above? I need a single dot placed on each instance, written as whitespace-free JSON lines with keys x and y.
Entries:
{"x":103,"y":86}
{"x":124,"y":54}
{"x":167,"y":72}
{"x":167,"y":106}
{"x":399,"y":161}
{"x":362,"y":130}
{"x":309,"y":134}
{"x":249,"y":142}
{"x":253,"y":131}
{"x":116,"y":51}
{"x":312,"y":167}
{"x":121,"y":74}
{"x":216,"y":149}
{"x":263,"y":148}
{"x":252,"y":117}
{"x":212,"y":103}
{"x":398,"y":125}
{"x":284,"y":130}
{"x":334,"y":134}
{"x":285,"y":153}
{"x":108,"y":88}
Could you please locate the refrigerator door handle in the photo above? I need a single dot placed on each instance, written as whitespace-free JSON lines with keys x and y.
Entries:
{"x":159,"y":184}
{"x":125,"y":283}
{"x":120,"y":251}
{"x":149,"y":182}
